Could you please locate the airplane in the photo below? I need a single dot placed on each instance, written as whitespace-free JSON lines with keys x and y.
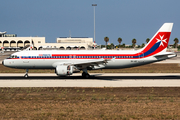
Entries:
{"x":65,"y":62}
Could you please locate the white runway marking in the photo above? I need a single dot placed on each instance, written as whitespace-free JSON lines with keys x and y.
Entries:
{"x":97,"y":80}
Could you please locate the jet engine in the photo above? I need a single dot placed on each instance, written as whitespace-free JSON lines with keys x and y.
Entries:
{"x":64,"y":70}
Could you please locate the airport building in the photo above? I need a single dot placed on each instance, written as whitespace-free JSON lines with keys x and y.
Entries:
{"x":12,"y":42}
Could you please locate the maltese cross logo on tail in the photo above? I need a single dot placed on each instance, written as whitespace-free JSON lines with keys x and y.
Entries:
{"x":161,"y":40}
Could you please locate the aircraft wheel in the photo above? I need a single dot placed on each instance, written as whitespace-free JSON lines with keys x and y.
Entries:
{"x":85,"y":75}
{"x":26,"y":76}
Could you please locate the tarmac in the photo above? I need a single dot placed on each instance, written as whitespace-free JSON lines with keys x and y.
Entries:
{"x":96,"y":80}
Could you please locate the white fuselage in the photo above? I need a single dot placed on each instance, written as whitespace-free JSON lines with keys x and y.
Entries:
{"x":47,"y":59}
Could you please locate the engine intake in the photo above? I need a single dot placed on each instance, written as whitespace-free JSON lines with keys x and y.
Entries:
{"x":63,"y":70}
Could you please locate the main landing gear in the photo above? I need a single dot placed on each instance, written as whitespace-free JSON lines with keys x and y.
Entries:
{"x":85,"y":74}
{"x":26,"y":74}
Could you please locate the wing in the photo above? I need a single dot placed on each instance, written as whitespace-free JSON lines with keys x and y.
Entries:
{"x":89,"y":64}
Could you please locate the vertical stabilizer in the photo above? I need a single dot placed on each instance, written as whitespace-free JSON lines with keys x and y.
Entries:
{"x":159,"y":41}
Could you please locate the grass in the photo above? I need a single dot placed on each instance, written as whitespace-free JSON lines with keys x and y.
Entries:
{"x":103,"y":103}
{"x":92,"y":103}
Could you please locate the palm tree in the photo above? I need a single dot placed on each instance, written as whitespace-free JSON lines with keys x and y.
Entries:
{"x":119,"y":40}
{"x":147,"y":40}
{"x":106,"y":39}
{"x":176,"y":41}
{"x":134,"y":42}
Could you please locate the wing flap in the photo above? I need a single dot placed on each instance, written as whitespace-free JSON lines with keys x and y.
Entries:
{"x":96,"y":61}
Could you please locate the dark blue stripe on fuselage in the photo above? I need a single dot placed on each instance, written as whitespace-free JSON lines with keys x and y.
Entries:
{"x":153,"y":48}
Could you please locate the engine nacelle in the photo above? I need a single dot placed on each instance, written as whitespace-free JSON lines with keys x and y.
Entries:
{"x":64,"y":70}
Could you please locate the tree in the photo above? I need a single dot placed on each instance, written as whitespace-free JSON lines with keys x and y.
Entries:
{"x":147,"y":40}
{"x":103,"y":46}
{"x":178,"y":47}
{"x":119,"y":40}
{"x":142,"y":45}
{"x":123,"y":45}
{"x":134,"y":43}
{"x":112,"y":46}
{"x":108,"y":47}
{"x":176,"y":41}
{"x":106,"y":39}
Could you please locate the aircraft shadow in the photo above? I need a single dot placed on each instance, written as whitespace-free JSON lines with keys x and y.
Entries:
{"x":137,"y":77}
{"x":92,"y":77}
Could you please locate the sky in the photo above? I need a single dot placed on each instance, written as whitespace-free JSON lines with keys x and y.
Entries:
{"x":128,"y":19}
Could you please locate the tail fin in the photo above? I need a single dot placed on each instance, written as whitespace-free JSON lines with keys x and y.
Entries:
{"x":159,"y":41}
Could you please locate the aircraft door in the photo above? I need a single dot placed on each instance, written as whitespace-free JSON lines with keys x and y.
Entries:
{"x":25,"y":57}
{"x":72,"y":56}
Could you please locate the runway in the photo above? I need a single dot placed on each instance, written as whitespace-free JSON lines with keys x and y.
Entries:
{"x":96,"y":80}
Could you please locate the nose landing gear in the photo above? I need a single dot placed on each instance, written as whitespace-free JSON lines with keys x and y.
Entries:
{"x":26,"y":74}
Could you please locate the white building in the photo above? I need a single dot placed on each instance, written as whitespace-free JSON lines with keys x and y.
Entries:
{"x":75,"y":43}
{"x":12,"y":42}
